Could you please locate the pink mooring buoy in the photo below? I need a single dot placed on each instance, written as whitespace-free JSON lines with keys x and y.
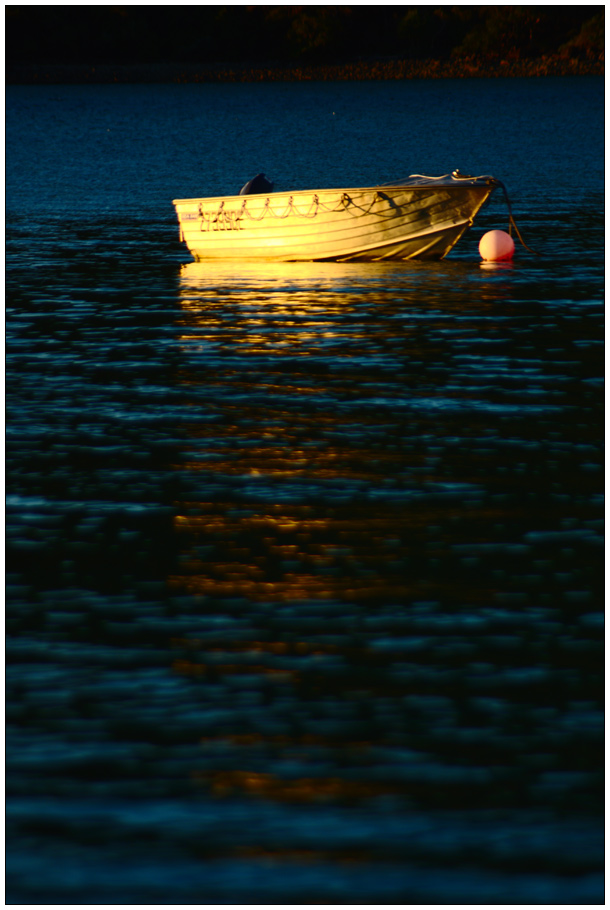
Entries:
{"x":496,"y":246}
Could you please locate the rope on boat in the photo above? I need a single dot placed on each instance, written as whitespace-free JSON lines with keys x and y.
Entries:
{"x":346,"y":200}
{"x":316,"y":205}
{"x":290,"y":210}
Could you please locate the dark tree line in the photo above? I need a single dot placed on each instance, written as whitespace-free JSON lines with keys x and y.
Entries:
{"x":206,"y":35}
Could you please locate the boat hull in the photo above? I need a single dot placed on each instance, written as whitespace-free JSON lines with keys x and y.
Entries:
{"x":373,"y":223}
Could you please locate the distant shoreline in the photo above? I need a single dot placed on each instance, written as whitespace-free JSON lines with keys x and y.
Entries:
{"x":381,"y":70}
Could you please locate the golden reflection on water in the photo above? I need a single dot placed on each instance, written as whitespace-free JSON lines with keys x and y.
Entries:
{"x":312,"y":298}
{"x":302,"y":789}
{"x":360,"y":553}
{"x":296,"y":483}
{"x":205,"y":277}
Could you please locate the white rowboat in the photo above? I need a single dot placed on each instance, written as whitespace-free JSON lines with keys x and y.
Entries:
{"x":418,"y":218}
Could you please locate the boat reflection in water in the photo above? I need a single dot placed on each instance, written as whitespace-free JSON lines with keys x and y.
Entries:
{"x":367,"y":545}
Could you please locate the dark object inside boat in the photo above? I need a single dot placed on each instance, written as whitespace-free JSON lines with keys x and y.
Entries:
{"x":258,"y":184}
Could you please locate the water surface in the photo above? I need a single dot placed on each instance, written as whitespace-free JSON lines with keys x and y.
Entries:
{"x":305,"y":595}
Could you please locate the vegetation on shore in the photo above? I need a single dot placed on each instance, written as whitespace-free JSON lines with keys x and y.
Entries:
{"x":470,"y":67}
{"x":292,"y":43}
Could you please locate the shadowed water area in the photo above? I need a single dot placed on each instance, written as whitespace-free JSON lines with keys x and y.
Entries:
{"x":305,"y":560}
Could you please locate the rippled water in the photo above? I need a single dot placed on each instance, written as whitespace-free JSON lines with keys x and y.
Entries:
{"x":305,"y":569}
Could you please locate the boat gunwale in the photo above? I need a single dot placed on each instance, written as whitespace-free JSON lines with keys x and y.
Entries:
{"x":474,"y":183}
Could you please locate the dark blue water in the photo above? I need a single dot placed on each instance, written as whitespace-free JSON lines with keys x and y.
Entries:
{"x":305,"y":567}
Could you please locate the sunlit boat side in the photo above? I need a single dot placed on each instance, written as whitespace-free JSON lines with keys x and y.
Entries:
{"x":417,"y":218}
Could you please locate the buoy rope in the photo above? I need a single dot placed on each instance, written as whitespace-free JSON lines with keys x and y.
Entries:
{"x":511,"y":220}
